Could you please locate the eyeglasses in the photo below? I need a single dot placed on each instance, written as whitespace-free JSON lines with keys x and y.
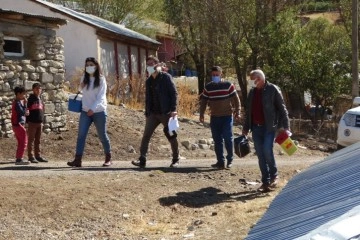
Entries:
{"x":92,"y":59}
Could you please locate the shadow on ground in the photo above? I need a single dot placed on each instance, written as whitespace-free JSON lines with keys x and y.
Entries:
{"x":208,"y":196}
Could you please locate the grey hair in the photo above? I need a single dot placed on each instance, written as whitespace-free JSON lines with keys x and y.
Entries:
{"x":258,"y":73}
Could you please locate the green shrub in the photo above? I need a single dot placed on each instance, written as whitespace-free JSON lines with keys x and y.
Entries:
{"x":319,"y":6}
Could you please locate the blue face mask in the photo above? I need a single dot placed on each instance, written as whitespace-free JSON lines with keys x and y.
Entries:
{"x":215,"y":79}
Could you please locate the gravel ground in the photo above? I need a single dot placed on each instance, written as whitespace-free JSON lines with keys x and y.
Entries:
{"x":194,"y":201}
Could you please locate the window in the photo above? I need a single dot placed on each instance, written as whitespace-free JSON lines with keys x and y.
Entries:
{"x":13,"y":46}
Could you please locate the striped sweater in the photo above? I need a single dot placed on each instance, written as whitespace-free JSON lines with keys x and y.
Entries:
{"x":221,"y":98}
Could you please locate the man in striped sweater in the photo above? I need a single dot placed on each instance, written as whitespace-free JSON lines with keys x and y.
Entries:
{"x":224,"y":103}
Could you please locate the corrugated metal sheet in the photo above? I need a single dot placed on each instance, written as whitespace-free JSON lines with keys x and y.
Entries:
{"x":314,"y":197}
{"x":99,"y":22}
{"x":26,"y":15}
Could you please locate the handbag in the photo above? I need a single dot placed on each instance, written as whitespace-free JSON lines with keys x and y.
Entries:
{"x":75,"y":102}
{"x":241,"y":146}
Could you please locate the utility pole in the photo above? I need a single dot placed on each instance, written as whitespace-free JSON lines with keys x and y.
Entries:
{"x":355,"y":49}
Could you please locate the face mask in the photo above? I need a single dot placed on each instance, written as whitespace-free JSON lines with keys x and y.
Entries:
{"x":150,"y":69}
{"x":252,"y":83}
{"x":215,"y":79}
{"x":90,"y":69}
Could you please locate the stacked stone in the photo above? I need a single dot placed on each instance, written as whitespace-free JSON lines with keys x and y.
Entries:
{"x":46,"y":67}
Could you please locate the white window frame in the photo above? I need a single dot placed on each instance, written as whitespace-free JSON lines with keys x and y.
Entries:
{"x":15,"y":54}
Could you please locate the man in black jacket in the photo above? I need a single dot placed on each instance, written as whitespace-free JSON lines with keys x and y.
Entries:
{"x":160,"y":106}
{"x":265,"y":114}
{"x":35,"y":123}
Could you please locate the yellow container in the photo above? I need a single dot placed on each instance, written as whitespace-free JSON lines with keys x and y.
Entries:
{"x":286,"y":143}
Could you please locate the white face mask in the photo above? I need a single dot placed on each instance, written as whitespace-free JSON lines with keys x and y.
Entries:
{"x":90,"y":69}
{"x":152,"y":69}
{"x":252,"y":83}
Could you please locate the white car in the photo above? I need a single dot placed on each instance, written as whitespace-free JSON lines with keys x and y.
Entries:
{"x":349,"y":126}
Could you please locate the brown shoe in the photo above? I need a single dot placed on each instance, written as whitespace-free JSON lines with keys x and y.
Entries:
{"x":274,"y":182}
{"x":264,"y":188}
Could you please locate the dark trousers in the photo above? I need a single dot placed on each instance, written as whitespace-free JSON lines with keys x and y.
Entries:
{"x":34,"y":135}
{"x":152,"y":122}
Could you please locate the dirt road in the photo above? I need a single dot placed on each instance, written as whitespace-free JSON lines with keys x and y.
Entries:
{"x":194,"y":201}
{"x":53,"y":201}
{"x":58,"y":168}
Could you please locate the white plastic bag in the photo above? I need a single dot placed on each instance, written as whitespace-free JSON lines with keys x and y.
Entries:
{"x":173,"y":125}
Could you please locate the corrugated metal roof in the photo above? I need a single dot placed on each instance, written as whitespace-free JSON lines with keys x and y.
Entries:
{"x":99,"y":22}
{"x":25,"y":16}
{"x":322,"y":193}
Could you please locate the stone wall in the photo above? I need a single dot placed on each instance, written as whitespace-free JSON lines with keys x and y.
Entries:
{"x":42,"y":62}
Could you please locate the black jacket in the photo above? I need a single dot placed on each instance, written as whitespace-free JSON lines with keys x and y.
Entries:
{"x":36,"y":109}
{"x":166,"y":91}
{"x":275,"y":112}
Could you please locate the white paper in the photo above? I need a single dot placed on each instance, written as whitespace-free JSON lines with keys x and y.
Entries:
{"x":173,"y":125}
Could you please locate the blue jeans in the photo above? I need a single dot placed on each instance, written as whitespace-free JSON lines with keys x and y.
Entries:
{"x":85,"y":121}
{"x":221,"y":130}
{"x":264,"y":142}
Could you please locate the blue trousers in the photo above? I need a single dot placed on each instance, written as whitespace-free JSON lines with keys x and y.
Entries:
{"x":221,"y":130}
{"x":264,"y":142}
{"x":99,"y":120}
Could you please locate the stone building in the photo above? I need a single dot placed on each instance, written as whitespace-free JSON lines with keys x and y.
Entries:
{"x":120,"y":51}
{"x":30,"y":52}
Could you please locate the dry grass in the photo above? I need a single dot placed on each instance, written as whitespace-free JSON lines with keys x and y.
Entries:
{"x":128,"y":91}
{"x":332,"y":17}
{"x":188,"y":100}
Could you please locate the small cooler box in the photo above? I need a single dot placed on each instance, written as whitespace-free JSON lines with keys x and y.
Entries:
{"x":75,"y":102}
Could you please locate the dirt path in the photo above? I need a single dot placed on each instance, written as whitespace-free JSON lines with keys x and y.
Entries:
{"x":194,"y":201}
{"x":8,"y":169}
{"x":53,"y":201}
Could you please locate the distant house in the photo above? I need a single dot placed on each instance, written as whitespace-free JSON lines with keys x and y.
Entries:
{"x":31,"y":52}
{"x":170,"y":52}
{"x":121,"y":51}
{"x":165,"y":34}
